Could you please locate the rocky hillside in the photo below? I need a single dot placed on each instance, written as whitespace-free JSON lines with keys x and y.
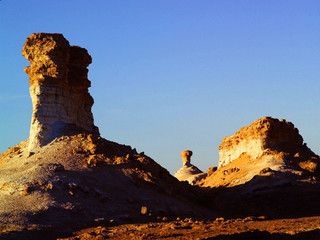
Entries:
{"x":87,"y":178}
{"x":265,"y":168}
{"x":66,"y":176}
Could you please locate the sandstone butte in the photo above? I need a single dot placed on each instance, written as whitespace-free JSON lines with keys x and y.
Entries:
{"x":66,"y":177}
{"x":265,"y":133}
{"x":267,"y":146}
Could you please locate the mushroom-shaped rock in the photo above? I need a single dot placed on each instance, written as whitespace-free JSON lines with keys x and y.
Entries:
{"x":189,"y":172}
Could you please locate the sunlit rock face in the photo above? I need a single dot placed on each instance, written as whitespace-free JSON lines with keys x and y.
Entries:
{"x":61,"y":103}
{"x":265,"y":133}
{"x":269,"y":152}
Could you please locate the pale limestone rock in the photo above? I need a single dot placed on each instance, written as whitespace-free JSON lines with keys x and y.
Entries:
{"x":253,"y":140}
{"x":58,"y":88}
{"x":268,"y":152}
{"x":189,"y":172}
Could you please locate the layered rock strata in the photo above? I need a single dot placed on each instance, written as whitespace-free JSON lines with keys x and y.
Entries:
{"x":253,"y":140}
{"x":61,"y":103}
{"x":268,"y":149}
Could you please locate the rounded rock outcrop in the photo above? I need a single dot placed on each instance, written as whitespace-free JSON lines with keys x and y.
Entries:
{"x":268,"y":148}
{"x":264,"y":133}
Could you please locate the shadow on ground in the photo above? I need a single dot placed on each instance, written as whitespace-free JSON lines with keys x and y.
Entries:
{"x":261,"y":235}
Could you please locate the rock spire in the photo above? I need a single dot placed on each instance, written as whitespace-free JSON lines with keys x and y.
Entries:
{"x":189,"y":172}
{"x":58,"y":76}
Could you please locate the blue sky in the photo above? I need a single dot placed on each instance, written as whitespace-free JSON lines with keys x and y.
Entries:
{"x":169,"y":75}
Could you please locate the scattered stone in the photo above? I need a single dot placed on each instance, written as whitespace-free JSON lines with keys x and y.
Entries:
{"x":211,"y":170}
{"x":144,"y":210}
{"x":266,"y":171}
{"x":25,"y":191}
{"x":30,"y":154}
{"x":49,"y":186}
{"x":55,"y":167}
{"x":99,"y":219}
{"x":230,"y":170}
{"x":92,"y":161}
{"x":247,"y":219}
{"x":311,"y":165}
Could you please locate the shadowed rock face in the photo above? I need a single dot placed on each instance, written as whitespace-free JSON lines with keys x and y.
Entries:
{"x":58,"y":88}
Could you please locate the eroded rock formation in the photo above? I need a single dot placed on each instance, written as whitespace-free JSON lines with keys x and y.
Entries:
{"x":267,"y":147}
{"x":189,"y":172}
{"x":265,"y":133}
{"x":79,"y":178}
{"x":58,"y":88}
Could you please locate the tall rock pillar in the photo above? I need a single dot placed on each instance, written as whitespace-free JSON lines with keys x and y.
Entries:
{"x":61,"y":103}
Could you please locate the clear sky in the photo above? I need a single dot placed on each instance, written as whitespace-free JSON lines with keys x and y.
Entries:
{"x":170,"y":74}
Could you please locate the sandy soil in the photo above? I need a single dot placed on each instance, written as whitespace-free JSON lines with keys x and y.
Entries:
{"x":245,"y":228}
